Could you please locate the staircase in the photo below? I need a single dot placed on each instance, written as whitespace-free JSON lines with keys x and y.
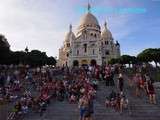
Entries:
{"x":139,"y":109}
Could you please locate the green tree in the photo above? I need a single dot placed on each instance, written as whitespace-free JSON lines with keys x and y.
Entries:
{"x":17,"y":57}
{"x":127,"y":59}
{"x":114,"y":61}
{"x":36,"y":58}
{"x":51,"y":61}
{"x":149,"y":55}
{"x":4,"y":50}
{"x":124,"y":59}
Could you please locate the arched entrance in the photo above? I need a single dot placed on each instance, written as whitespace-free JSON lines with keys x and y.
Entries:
{"x":84,"y":62}
{"x":75,"y":63}
{"x":93,"y":62}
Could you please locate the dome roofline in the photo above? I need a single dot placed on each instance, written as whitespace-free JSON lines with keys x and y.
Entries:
{"x":106,"y":32}
{"x":69,"y":35}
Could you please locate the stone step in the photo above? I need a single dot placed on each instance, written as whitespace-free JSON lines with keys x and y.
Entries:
{"x":139,"y":109}
{"x":144,"y":109}
{"x":145,"y":116}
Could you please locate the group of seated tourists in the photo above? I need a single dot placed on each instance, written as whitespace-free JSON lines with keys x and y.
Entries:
{"x":27,"y":89}
{"x":32,"y":89}
{"x":118,"y":101}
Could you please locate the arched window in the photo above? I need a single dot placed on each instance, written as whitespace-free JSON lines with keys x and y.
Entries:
{"x":85,"y":48}
{"x":75,"y":63}
{"x":77,"y":52}
{"x":93,"y":62}
{"x":93,"y":45}
{"x":67,"y":54}
{"x":107,"y":52}
{"x":106,"y":42}
{"x":68,"y":45}
{"x":93,"y":52}
{"x":101,"y":43}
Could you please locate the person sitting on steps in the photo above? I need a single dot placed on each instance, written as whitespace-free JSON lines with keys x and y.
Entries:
{"x":111,"y":100}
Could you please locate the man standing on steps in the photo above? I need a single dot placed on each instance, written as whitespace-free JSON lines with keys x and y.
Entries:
{"x":83,"y":105}
{"x":91,"y":106}
{"x":86,"y":105}
{"x":120,"y":82}
{"x":108,"y":75}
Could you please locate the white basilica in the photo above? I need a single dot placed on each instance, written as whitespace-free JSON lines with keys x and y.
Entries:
{"x":90,"y":45}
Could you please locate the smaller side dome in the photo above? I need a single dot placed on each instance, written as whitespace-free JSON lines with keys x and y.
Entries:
{"x":70,"y":35}
{"x":106,"y":34}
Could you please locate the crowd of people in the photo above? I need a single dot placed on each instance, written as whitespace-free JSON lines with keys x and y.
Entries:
{"x":32,"y":89}
{"x":26,"y":88}
{"x":144,"y":85}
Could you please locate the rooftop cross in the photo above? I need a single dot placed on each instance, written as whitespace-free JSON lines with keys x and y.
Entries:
{"x":105,"y":24}
{"x":70,"y":27}
{"x":89,"y":7}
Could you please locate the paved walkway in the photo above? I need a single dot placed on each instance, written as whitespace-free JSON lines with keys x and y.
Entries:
{"x":3,"y":112}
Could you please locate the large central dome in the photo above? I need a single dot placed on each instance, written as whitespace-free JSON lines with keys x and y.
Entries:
{"x":89,"y":19}
{"x":88,"y":22}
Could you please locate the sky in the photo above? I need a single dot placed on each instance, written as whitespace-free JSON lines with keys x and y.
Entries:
{"x":42,"y":24}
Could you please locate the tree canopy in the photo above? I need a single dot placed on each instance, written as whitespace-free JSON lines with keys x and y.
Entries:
{"x":124,"y":59}
{"x":33,"y":58}
{"x":147,"y":55}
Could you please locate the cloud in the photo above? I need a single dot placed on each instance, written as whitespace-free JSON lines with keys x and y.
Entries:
{"x":42,"y":24}
{"x":33,"y":24}
{"x":30,"y":25}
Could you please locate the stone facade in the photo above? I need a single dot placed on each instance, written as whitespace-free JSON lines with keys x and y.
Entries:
{"x":90,"y":45}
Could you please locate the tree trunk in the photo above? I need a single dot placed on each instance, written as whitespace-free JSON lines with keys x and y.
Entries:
{"x":155,"y":63}
{"x":129,"y":65}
